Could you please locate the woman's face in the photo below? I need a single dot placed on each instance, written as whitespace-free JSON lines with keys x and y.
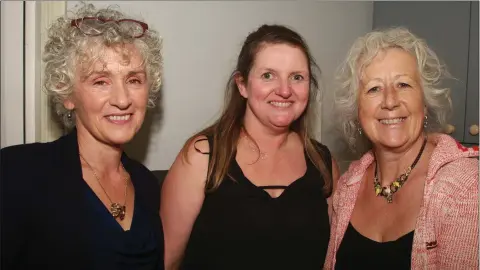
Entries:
{"x":278,"y":86}
{"x":391,"y":110}
{"x":110,"y":103}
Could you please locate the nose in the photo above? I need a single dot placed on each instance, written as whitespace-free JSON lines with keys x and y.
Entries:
{"x":120,"y":96}
{"x":284,"y":89}
{"x":390,"y":98}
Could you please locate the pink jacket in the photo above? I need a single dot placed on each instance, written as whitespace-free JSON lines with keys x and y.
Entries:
{"x":446,"y":232}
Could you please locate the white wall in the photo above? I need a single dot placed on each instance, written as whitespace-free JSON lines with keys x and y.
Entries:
{"x":201,"y":42}
{"x":12,"y":92}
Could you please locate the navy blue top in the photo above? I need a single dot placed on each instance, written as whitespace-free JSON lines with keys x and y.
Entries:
{"x":240,"y":226}
{"x":359,"y":252}
{"x":118,"y":249}
{"x":51,"y":219}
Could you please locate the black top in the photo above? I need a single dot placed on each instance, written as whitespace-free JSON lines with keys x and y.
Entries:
{"x":240,"y":226}
{"x":359,"y":252}
{"x":51,"y":219}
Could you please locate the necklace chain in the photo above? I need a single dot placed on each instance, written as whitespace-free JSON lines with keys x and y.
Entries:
{"x":117,"y":210}
{"x":391,"y":189}
{"x":255,"y":148}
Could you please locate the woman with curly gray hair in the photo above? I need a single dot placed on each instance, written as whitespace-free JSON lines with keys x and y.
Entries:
{"x":80,"y":202}
{"x":411,"y":201}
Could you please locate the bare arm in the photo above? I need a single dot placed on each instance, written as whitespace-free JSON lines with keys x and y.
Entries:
{"x":182,"y":197}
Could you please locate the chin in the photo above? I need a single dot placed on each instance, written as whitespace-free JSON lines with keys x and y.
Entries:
{"x":119,"y":138}
{"x":393,"y":142}
{"x":282,"y":122}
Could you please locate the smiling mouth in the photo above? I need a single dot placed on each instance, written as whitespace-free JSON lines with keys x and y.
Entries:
{"x":281,"y":104}
{"x":125,"y":117}
{"x":392,"y":121}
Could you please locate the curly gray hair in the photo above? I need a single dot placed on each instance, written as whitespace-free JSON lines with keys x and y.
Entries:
{"x":437,"y":99}
{"x":68,"y":46}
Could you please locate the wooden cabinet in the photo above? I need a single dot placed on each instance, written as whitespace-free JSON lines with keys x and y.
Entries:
{"x":451,"y":30}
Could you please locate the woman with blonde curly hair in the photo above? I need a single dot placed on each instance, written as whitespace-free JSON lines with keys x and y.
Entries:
{"x":411,"y":201}
{"x":80,"y":202}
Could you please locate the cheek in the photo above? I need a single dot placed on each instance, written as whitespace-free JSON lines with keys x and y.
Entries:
{"x":302,"y":92}
{"x":366,"y":112}
{"x":416,"y":105}
{"x":140,"y":97}
{"x":90,"y":103}
{"x":258,"y":89}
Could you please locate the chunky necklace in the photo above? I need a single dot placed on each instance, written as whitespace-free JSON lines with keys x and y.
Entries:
{"x":117,"y":210}
{"x":388,"y":191}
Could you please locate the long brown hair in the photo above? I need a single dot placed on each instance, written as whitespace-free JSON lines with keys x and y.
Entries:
{"x":225,"y":132}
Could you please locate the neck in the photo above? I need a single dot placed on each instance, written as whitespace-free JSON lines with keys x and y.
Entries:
{"x":391,"y":163}
{"x":268,"y":140}
{"x":104,"y":158}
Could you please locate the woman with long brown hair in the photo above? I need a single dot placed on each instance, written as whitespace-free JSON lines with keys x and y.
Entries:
{"x":250,"y":191}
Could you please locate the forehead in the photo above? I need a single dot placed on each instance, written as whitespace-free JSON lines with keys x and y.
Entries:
{"x":394,"y":60}
{"x":281,"y":56}
{"x":112,"y":58}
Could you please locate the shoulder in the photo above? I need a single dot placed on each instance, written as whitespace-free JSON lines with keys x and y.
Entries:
{"x":194,"y":154}
{"x":459,"y":176}
{"x":22,"y":150}
{"x":188,"y":174}
{"x":453,"y":167}
{"x":193,"y":159}
{"x":21,"y":168}
{"x":324,"y":153}
{"x":323,"y":149}
{"x":31,"y":155}
{"x":195,"y":150}
{"x":199,"y":144}
{"x":356,"y":169}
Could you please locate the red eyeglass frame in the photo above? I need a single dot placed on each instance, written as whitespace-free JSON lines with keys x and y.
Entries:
{"x":144,"y":26}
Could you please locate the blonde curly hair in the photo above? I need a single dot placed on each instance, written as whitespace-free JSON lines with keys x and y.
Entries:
{"x":363,"y":51}
{"x":67,"y":46}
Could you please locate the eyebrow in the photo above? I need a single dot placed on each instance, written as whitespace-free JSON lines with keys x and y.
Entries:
{"x":401,"y":75}
{"x":135,"y":72}
{"x":394,"y":77}
{"x":293,"y":72}
{"x":107,"y":73}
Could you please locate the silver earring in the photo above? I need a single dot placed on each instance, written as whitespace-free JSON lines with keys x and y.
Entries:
{"x":359,"y":130}
{"x":69,"y":114}
{"x":425,"y":122}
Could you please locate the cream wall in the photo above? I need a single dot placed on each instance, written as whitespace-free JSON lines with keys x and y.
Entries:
{"x":201,"y":43}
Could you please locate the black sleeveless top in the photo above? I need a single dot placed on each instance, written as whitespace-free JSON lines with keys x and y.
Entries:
{"x":359,"y":252}
{"x":240,"y":226}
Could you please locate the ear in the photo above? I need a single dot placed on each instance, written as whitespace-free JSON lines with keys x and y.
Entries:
{"x":240,"y":82}
{"x":68,"y":104}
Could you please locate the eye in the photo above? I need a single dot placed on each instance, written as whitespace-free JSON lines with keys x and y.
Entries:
{"x":267,"y":76}
{"x":100,"y":83}
{"x":403,"y":85}
{"x":135,"y":81}
{"x":373,"y":89}
{"x":298,"y":77}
